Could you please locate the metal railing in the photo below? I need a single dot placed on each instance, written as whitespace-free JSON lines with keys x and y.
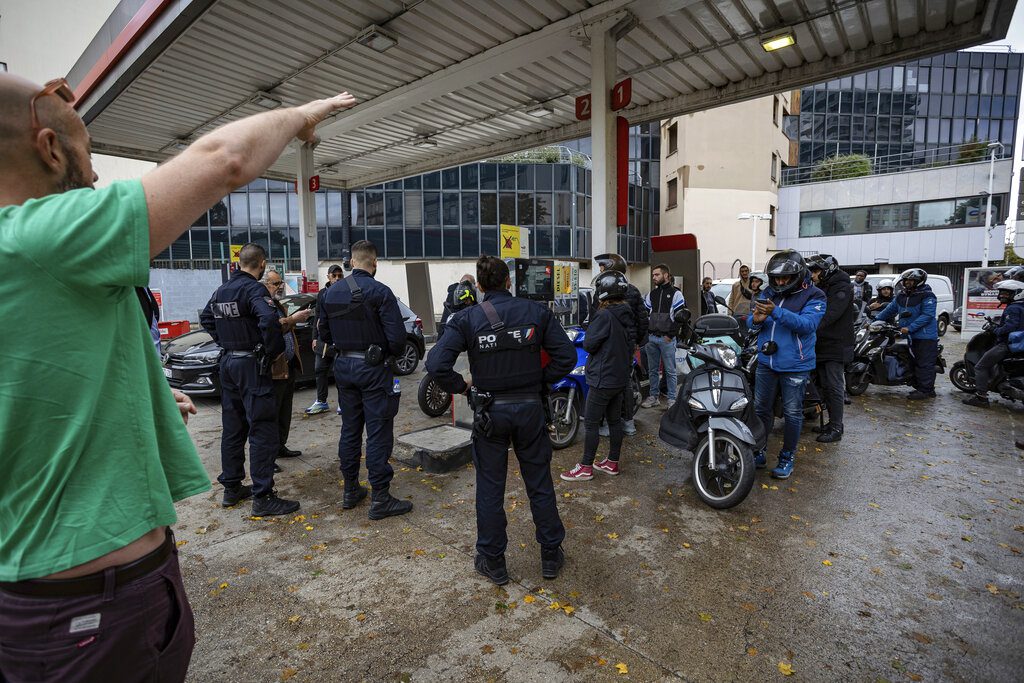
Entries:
{"x":550,"y":154}
{"x":937,"y":157}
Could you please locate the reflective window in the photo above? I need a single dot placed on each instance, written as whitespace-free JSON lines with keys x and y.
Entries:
{"x":816,"y":223}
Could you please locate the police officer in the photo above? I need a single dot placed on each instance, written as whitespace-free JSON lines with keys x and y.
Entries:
{"x":242,"y":319}
{"x":360,"y":316}
{"x":504,"y":337}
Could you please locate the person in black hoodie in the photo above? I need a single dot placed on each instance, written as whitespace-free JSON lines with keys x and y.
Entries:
{"x":609,"y":341}
{"x":834,"y":346}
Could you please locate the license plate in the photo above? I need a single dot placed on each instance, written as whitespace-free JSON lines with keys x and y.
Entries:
{"x":167,"y":373}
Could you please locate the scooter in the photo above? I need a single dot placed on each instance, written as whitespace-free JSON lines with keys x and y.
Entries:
{"x":568,"y":396}
{"x":883,"y":356}
{"x":1008,"y":378}
{"x":714,"y":418}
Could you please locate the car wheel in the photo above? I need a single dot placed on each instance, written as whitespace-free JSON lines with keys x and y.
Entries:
{"x":407,"y":363}
{"x":943,"y":324}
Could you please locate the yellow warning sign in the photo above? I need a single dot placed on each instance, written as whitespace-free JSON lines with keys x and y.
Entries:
{"x":510,"y":241}
{"x":235,"y":250}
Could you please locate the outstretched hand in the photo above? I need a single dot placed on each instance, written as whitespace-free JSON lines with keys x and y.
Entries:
{"x":318,"y":110}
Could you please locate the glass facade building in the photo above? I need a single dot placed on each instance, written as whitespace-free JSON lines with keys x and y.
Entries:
{"x":923,"y":108}
{"x":454,"y":213}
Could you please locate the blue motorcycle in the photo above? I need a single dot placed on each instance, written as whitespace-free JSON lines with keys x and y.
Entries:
{"x":569,"y":395}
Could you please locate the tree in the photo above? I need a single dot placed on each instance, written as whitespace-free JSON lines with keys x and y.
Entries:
{"x":842,"y":166}
{"x":972,"y":151}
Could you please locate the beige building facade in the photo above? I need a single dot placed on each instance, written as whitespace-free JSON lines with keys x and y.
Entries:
{"x":718,"y":164}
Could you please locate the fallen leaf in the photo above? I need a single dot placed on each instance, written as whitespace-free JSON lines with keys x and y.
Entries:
{"x":967,"y":538}
{"x":288,"y":673}
{"x":294,"y":619}
{"x":749,"y":606}
{"x":612,"y":535}
{"x":180,"y":543}
{"x":957,"y":564}
{"x":601,"y":661}
{"x":752,"y":651}
{"x":774,"y":488}
{"x":992,"y":588}
{"x":309,"y":527}
{"x":934,"y":596}
{"x":785,"y":669}
{"x":827,"y":563}
{"x":599,"y":518}
{"x":223,"y":585}
{"x":686,"y":545}
{"x":568,"y":609}
{"x":795,"y":518}
{"x":302,"y":646}
{"x":809,"y":594}
{"x":555,"y":605}
{"x":874,"y":505}
{"x":487,"y":649}
{"x":514,"y":650}
{"x":419,"y":551}
{"x":705,"y":617}
{"x":528,"y":599}
{"x":361,"y":617}
{"x":622,"y":668}
{"x":242,"y":570}
{"x":201,"y":530}
{"x":921,"y":638}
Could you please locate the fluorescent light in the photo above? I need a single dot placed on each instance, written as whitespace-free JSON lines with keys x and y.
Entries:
{"x":376,"y":38}
{"x":425,"y":143}
{"x":265,"y":100}
{"x":780,"y":41}
{"x":541,"y":110}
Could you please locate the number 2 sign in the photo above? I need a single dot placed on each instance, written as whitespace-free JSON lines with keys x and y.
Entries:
{"x":583,"y":107}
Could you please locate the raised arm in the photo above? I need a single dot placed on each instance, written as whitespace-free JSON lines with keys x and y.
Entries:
{"x":179,"y":191}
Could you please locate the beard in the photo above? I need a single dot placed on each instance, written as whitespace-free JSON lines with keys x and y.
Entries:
{"x":75,"y":178}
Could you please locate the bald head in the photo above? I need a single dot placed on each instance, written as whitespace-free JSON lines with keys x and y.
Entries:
{"x":36,"y":163}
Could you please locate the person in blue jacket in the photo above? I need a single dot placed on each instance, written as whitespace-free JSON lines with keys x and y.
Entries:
{"x":1011,"y":295}
{"x":914,"y":307}
{"x":785,"y":317}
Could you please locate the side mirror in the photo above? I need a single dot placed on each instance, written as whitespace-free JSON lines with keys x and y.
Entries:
{"x":720,"y":300}
{"x":682,"y":316}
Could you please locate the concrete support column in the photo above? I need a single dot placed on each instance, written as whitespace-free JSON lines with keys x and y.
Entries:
{"x":603,"y":60}
{"x":307,"y":215}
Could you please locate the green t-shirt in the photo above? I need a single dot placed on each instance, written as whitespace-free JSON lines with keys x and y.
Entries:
{"x":93,"y":450}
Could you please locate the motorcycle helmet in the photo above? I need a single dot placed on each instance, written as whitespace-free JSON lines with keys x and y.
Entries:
{"x":886,"y":284}
{"x":611,"y":262}
{"x":915,"y":275}
{"x":788,"y":263}
{"x":1015,"y":273}
{"x":1010,"y":290}
{"x":463,"y":296}
{"x":760,"y":277}
{"x":610,"y":284}
{"x":823,"y":262}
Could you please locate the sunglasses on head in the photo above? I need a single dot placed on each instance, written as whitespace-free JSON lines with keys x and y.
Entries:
{"x":58,"y":87}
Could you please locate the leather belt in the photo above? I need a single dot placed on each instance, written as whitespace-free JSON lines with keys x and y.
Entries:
{"x":352,"y":354}
{"x":516,"y":399}
{"x":241,"y":354}
{"x":93,"y":584}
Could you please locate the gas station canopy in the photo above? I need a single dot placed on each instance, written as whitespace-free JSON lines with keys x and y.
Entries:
{"x":443,"y":82}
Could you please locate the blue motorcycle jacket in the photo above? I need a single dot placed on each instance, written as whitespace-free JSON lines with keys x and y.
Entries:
{"x":793,"y":326}
{"x":915,"y":311}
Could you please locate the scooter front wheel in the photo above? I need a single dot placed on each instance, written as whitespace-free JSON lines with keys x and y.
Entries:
{"x":858,"y":384}
{"x":730,"y":481}
{"x":565,"y":420}
{"x":433,"y":400}
{"x":961,"y":377}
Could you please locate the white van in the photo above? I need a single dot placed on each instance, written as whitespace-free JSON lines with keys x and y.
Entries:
{"x":941,"y":286}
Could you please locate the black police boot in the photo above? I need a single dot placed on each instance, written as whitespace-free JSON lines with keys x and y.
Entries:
{"x":286,"y":452}
{"x":233,"y":495}
{"x":353,"y":496}
{"x":830,"y":434}
{"x":493,"y":568}
{"x":383,"y":504}
{"x":817,"y":429}
{"x":551,"y":561}
{"x":270,"y":505}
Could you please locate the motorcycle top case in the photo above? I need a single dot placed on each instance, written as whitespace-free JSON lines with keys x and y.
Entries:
{"x":1016,"y":341}
{"x":677,"y":429}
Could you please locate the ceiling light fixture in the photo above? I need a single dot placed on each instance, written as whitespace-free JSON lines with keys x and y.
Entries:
{"x":780,"y":41}
{"x":265,"y":100}
{"x":541,"y":110}
{"x":425,"y":143}
{"x":376,"y":38}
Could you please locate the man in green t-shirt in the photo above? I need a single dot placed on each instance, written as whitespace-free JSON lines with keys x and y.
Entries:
{"x":93,"y":447}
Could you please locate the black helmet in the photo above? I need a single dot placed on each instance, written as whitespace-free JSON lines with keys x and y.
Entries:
{"x":1015,"y":273}
{"x":611,"y":262}
{"x":463,"y":296}
{"x":916,"y":275}
{"x":823,"y":262}
{"x":611,"y":284}
{"x":788,"y":262}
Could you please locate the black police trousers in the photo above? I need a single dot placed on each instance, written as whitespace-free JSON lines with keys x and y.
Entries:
{"x":248,"y":411}
{"x":367,"y":400}
{"x":525,"y":427}
{"x":926,"y":353}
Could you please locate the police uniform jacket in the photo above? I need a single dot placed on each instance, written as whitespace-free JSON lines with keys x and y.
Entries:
{"x":505,"y":361}
{"x":355,"y":326}
{"x":241,"y":315}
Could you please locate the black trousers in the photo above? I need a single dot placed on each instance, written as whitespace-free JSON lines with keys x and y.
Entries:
{"x":248,"y":412}
{"x":322,"y":369}
{"x":284,"y":389}
{"x":602,"y":404}
{"x":926,"y":352}
{"x":524,"y":426}
{"x":983,"y":370}
{"x":832,"y":376}
{"x":367,"y":398}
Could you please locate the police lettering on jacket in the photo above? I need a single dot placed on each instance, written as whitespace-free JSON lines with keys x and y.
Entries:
{"x":240,"y":315}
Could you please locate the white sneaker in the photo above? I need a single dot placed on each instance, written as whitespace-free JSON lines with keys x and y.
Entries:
{"x":650,"y":402}
{"x":629,"y":427}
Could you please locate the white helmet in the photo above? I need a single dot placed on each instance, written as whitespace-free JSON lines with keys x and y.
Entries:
{"x":1017,"y":288}
{"x":885,"y":283}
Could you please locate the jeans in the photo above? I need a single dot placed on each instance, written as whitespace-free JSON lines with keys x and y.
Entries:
{"x":987,"y":363}
{"x":602,"y":404}
{"x":793,"y":385}
{"x":284,"y":391}
{"x":661,"y":352}
{"x":926,"y":352}
{"x":322,"y":367}
{"x":832,"y":375}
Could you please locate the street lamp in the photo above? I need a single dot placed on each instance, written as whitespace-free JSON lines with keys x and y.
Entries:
{"x":993,"y":147}
{"x":753,"y":247}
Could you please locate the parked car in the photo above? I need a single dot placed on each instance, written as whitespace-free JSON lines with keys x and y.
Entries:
{"x":957,"y":321}
{"x":191,"y":361}
{"x":943,"y":288}
{"x":723,"y":288}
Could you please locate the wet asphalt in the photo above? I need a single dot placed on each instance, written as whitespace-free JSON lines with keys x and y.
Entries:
{"x":894,"y":555}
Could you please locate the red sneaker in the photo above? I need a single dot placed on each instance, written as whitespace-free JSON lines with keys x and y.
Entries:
{"x":607,"y":466}
{"x":579,"y":473}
